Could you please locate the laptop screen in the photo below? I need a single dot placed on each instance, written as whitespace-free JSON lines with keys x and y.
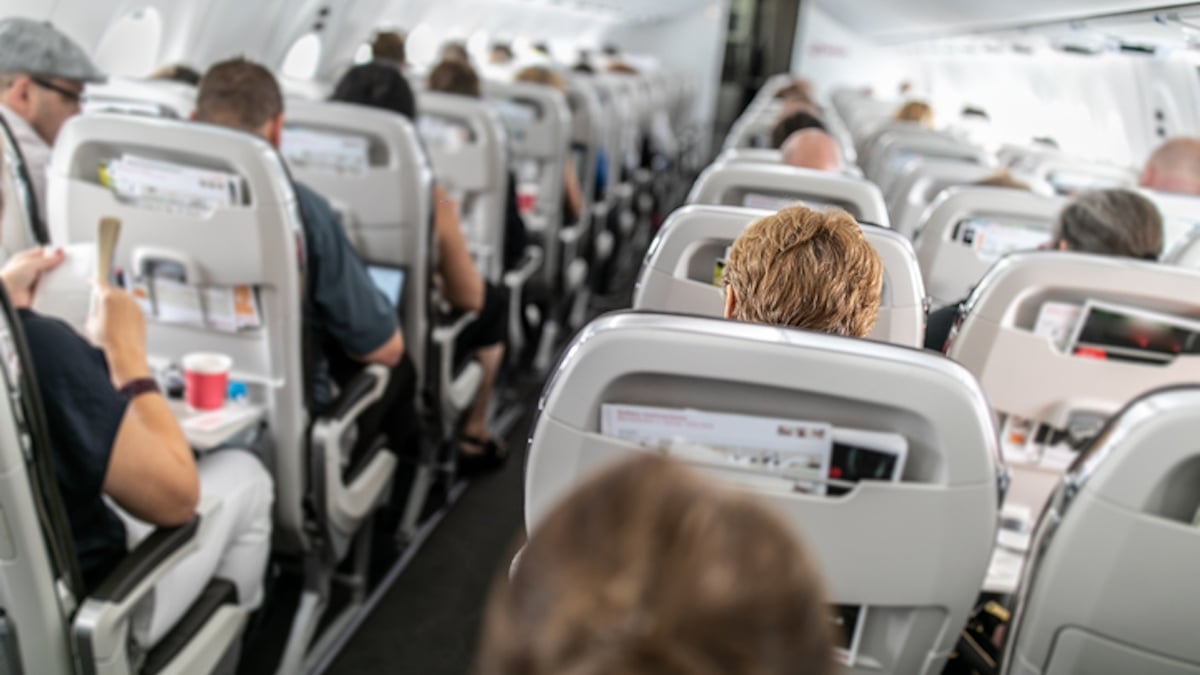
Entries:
{"x":390,"y":280}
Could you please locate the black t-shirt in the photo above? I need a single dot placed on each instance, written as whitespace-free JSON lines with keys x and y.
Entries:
{"x":938,"y":326}
{"x":83,"y":414}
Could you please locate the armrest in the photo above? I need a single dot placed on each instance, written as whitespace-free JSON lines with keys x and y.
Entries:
{"x":529,"y":266}
{"x":447,"y":334}
{"x":345,"y":505}
{"x":455,"y":393}
{"x":101,"y":626}
{"x":570,"y":235}
{"x":143,"y":560}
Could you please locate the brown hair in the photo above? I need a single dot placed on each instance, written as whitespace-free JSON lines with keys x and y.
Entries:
{"x":452,"y":76}
{"x":649,"y":569}
{"x":798,"y":90}
{"x":238,"y":93}
{"x":915,"y":111}
{"x":1002,"y":178}
{"x":541,"y":75}
{"x":807,"y":269}
{"x":389,"y":46}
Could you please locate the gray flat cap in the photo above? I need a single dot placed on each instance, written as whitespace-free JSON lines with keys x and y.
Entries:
{"x":37,"y":48}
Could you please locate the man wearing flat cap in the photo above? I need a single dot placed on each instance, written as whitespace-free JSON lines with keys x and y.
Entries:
{"x":42,"y":75}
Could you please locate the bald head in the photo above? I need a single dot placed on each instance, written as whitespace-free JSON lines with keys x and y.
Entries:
{"x":1174,"y":167}
{"x":812,"y":149}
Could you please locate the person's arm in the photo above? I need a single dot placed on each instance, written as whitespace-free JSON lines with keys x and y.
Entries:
{"x":389,"y":354}
{"x":571,"y":191}
{"x":151,"y":473}
{"x":461,"y":282}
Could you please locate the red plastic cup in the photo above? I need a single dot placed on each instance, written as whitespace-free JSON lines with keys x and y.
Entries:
{"x":206,"y":379}
{"x":527,"y":195}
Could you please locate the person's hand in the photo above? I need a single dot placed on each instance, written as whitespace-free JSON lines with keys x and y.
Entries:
{"x":23,"y":271}
{"x":118,"y":327}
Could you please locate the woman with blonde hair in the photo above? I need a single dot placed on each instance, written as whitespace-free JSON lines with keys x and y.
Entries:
{"x":916,"y":111}
{"x":650,"y":569}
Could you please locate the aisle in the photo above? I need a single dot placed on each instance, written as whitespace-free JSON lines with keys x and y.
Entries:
{"x":428,"y":622}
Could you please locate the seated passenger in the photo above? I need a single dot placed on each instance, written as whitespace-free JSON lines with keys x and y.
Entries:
{"x":113,"y":436}
{"x":1114,"y":222}
{"x":352,"y":322}
{"x":379,"y":86}
{"x":1003,"y":179}
{"x":572,"y":194}
{"x":790,"y":124}
{"x":649,"y":569}
{"x":915,"y":111}
{"x":812,"y":149}
{"x":455,"y":77}
{"x":1174,"y":167}
{"x":177,"y":73}
{"x":806,"y":269}
{"x":455,"y":51}
{"x":42,"y":74}
{"x":388,"y":47}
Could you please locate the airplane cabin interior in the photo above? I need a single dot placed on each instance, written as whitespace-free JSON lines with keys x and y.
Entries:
{"x":531,"y":337}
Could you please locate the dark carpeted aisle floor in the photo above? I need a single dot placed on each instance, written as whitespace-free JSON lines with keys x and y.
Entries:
{"x":428,"y":622}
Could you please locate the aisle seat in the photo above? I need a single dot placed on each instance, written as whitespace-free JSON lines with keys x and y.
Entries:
{"x":677,"y":275}
{"x":757,"y":185}
{"x":912,"y":194}
{"x":912,"y":552}
{"x":1111,"y":581}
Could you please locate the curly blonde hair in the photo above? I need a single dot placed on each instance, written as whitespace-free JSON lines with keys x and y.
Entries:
{"x":806,"y":269}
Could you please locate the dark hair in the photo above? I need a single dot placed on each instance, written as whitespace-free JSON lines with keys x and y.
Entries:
{"x":793,"y":123}
{"x":379,"y":86}
{"x":389,"y":46}
{"x":238,"y":93}
{"x":455,"y":77}
{"x":177,"y":73}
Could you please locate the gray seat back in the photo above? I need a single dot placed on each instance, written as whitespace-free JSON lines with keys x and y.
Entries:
{"x":385,"y":193}
{"x":253,"y":242}
{"x":919,"y":585}
{"x":1110,"y":582}
{"x":677,"y":275}
{"x":911,"y":194}
{"x":539,"y":131}
{"x":952,"y":266}
{"x":467,"y":146}
{"x":731,"y":184}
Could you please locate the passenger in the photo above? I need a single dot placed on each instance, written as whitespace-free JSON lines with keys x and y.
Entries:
{"x":1003,"y":179}
{"x":916,"y":111}
{"x":455,"y":51}
{"x":113,"y":437}
{"x":177,"y":73}
{"x":454,"y":77}
{"x":42,"y":74}
{"x":1114,"y":222}
{"x":1174,"y":167}
{"x":501,"y":54}
{"x":572,"y":194}
{"x":792,"y":123}
{"x":352,"y":323}
{"x":812,"y":149}
{"x":649,"y":569}
{"x":388,"y":47}
{"x":806,"y":269}
{"x":382,"y":87}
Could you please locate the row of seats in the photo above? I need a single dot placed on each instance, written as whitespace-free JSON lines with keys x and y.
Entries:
{"x":377,"y":169}
{"x":923,"y":549}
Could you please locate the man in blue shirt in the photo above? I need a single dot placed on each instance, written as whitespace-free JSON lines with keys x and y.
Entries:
{"x":352,"y":322}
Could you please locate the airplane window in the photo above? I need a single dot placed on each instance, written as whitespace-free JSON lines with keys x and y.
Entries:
{"x":363,"y":54}
{"x":303,"y":58}
{"x":130,"y":46}
{"x":423,"y":45}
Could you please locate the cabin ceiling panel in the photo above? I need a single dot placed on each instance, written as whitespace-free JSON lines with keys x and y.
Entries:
{"x":899,"y":20}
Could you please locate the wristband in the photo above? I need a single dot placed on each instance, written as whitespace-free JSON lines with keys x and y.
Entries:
{"x":139,"y":386}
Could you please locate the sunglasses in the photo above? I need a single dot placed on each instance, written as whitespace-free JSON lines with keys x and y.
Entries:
{"x":68,"y":94}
